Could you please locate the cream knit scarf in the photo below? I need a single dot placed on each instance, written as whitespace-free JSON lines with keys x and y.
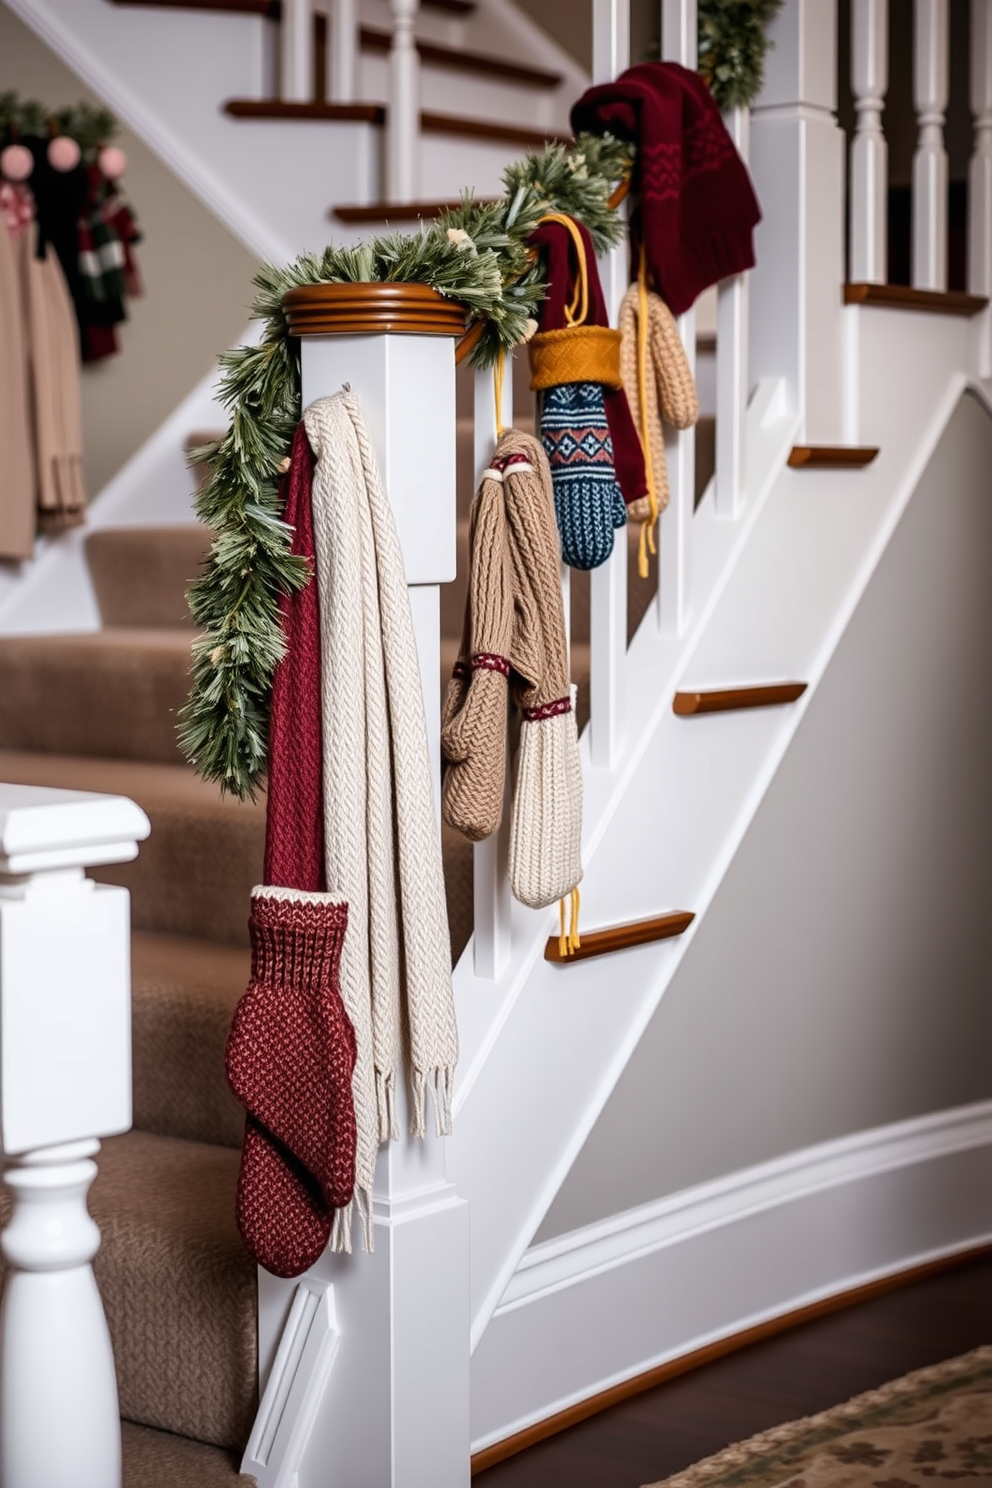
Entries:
{"x":382,"y":843}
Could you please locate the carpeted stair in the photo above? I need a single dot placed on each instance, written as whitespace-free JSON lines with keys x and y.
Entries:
{"x":97,"y":712}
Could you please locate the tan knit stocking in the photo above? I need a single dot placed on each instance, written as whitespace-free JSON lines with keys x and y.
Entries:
{"x":670,"y":392}
{"x":474,"y":717}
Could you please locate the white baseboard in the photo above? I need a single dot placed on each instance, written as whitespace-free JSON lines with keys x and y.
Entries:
{"x":593,"y":1308}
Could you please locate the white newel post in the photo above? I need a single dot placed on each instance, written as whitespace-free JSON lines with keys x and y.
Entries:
{"x":403,"y":113}
{"x":296,"y":51}
{"x":491,"y":900}
{"x":342,"y":51}
{"x":371,"y":1387}
{"x":930,"y":81}
{"x":65,"y":1081}
{"x":797,"y":164}
{"x":731,"y":361}
{"x":678,"y":44}
{"x":608,"y":582}
{"x":869,"y":153}
{"x":980,"y":169}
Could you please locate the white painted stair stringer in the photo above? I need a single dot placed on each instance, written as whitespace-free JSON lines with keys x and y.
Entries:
{"x":543,"y":1049}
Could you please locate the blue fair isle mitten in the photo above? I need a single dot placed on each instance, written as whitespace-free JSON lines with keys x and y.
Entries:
{"x":588,"y":501}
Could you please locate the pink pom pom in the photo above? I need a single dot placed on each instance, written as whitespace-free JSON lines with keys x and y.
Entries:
{"x":63,"y":153}
{"x":16,"y":162}
{"x":112,"y":162}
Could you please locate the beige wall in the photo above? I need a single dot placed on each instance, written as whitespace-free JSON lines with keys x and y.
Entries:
{"x":842,"y":977}
{"x":197,"y":280}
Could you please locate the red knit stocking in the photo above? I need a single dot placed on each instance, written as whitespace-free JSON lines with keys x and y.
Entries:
{"x":290,"y":1058}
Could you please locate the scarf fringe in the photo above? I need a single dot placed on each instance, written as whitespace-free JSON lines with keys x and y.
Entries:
{"x":385,"y":1093}
{"x":340,"y":1242}
{"x":440,"y":1081}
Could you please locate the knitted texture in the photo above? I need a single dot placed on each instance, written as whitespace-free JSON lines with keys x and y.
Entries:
{"x":588,"y":503}
{"x":513,"y":514}
{"x":669,"y":388}
{"x":587,"y":353}
{"x":557,"y":246}
{"x":382,"y":845}
{"x":294,"y":821}
{"x":693,"y":206}
{"x":473,"y":717}
{"x":290,"y":1057}
{"x":546,"y":824}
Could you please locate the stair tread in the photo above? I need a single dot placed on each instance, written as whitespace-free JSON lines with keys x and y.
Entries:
{"x":160,"y":1459}
{"x":904,"y":297}
{"x":141,"y":574}
{"x":183,"y":995}
{"x":378,"y":39}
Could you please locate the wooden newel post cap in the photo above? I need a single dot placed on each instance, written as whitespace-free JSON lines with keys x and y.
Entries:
{"x":371,"y":310}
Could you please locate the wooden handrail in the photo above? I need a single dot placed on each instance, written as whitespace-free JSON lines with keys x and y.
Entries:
{"x":728,"y":699}
{"x":372,"y":309}
{"x":620,"y":937}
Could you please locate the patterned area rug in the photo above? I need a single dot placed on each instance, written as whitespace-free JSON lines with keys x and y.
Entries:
{"x":929,"y":1428}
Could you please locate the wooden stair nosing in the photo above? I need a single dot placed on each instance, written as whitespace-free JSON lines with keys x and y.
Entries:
{"x":278,"y":108}
{"x":728,"y":699}
{"x":619,"y":937}
{"x":511,"y":134}
{"x":831,"y":456}
{"x":372,"y":39}
{"x":903,"y":297}
{"x":272,"y":9}
{"x":398,"y":211}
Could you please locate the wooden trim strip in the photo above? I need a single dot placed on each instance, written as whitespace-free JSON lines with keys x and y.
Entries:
{"x":727,"y":699}
{"x":902,"y":297}
{"x":399,"y":211}
{"x":508,"y":134}
{"x":617,"y":1394}
{"x":371,"y":310}
{"x":831,"y":456}
{"x":452,"y":7}
{"x":278,"y":108}
{"x":269,"y":8}
{"x":618,"y":937}
{"x":372,"y":39}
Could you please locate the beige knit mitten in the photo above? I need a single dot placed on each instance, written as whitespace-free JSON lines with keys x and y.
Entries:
{"x":474,"y":713}
{"x":546,"y":825}
{"x":669,"y":388}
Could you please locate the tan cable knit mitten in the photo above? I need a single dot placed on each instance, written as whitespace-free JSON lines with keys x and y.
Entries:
{"x":474,"y":714}
{"x":546,"y":826}
{"x":669,"y":386}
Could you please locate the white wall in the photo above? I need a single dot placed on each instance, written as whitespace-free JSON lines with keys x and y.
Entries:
{"x":842,"y":978}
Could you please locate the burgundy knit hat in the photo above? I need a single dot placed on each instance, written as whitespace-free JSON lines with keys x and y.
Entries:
{"x":694,"y":208}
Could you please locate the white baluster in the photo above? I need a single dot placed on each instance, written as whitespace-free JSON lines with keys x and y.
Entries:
{"x":930,"y":74}
{"x":491,"y":881}
{"x":869,"y":152}
{"x":403,"y":116}
{"x":65,"y":1001}
{"x":608,"y":583}
{"x":678,"y":44}
{"x":731,"y":363}
{"x":296,"y":51}
{"x":980,"y":169}
{"x":342,"y":51}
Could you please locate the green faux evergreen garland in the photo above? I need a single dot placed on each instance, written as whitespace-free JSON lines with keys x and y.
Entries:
{"x":476,"y":254}
{"x":90,"y":127}
{"x":732,"y":47}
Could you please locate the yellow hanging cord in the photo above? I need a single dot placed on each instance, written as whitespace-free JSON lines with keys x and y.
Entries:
{"x":647,"y":543}
{"x":498,"y":393}
{"x":562,"y":937}
{"x":570,"y":941}
{"x":574,"y":941}
{"x":580,"y":297}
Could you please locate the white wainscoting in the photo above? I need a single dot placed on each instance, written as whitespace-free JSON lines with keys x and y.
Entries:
{"x":598,"y":1306}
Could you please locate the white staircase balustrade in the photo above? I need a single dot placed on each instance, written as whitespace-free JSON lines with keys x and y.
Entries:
{"x":491,"y":899}
{"x":342,"y":51}
{"x":296,"y":51}
{"x":678,"y":44}
{"x":797,"y":165}
{"x":980,"y":168}
{"x":930,"y":173}
{"x":65,"y":1032}
{"x":403,"y":115}
{"x":608,"y":582}
{"x":867,"y":252}
{"x":732,"y":362}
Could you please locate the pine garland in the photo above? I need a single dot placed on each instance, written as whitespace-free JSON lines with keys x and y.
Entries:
{"x":476,"y":254}
{"x":732,"y":47}
{"x":90,"y":127}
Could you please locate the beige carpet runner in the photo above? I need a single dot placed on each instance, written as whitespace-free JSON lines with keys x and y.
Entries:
{"x":929,"y":1428}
